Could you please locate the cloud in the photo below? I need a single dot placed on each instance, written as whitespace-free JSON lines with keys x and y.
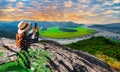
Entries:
{"x":92,"y":15}
{"x":108,"y":3}
{"x":20,"y":4}
{"x":46,"y":0}
{"x":108,"y":12}
{"x":26,"y":0}
{"x":2,"y":13}
{"x":68,"y":4}
{"x":35,"y":3}
{"x":116,"y":1}
{"x":11,"y":0}
{"x":116,"y":7}
{"x":111,"y":12}
{"x":8,"y":10}
{"x":79,"y":11}
{"x":84,"y":1}
{"x":83,"y":6}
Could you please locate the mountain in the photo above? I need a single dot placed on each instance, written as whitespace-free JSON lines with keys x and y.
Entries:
{"x":7,"y":29}
{"x":63,"y":59}
{"x":7,"y":34}
{"x":113,"y":27}
{"x":13,"y":25}
{"x":8,"y":26}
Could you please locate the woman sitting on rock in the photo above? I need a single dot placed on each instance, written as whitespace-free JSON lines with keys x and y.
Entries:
{"x":24,"y":39}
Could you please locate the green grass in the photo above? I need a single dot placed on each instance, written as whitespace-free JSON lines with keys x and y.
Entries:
{"x":105,"y":49}
{"x":54,"y":32}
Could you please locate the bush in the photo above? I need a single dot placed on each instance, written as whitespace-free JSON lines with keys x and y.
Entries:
{"x":37,"y":60}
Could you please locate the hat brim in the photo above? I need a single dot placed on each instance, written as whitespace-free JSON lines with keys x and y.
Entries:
{"x":24,"y":30}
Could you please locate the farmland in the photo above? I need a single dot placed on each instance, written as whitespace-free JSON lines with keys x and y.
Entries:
{"x":56,"y":32}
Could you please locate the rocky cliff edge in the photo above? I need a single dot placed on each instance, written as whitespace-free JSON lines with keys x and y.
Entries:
{"x":63,"y":59}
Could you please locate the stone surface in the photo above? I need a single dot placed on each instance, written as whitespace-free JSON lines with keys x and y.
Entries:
{"x":63,"y":59}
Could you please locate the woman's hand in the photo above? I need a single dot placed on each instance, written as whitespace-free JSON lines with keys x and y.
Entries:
{"x":35,"y":29}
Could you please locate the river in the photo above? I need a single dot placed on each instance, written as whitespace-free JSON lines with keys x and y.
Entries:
{"x":73,"y":40}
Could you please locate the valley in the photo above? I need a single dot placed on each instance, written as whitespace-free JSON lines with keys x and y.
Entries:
{"x":99,"y":32}
{"x":64,"y":33}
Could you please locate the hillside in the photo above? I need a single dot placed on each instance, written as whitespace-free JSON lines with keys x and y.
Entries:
{"x":9,"y":29}
{"x":7,"y":34}
{"x":12,"y":25}
{"x":63,"y":59}
{"x":113,"y":27}
{"x":105,"y":49}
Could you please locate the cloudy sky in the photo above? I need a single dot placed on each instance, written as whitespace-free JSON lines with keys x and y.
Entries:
{"x":79,"y":11}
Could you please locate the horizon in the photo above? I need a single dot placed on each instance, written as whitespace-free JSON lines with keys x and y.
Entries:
{"x":59,"y":21}
{"x":77,"y":11}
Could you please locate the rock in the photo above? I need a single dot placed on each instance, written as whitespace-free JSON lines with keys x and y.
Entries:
{"x":63,"y":59}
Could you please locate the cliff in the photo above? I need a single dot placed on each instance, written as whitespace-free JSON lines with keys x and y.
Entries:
{"x":63,"y":59}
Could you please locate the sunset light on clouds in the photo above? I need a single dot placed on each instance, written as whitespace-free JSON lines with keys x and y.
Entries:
{"x":78,"y":11}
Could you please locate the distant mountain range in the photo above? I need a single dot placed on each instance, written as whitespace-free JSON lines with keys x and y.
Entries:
{"x":113,"y":27}
{"x":9,"y":29}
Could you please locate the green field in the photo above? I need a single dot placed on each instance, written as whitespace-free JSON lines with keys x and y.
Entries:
{"x":54,"y":32}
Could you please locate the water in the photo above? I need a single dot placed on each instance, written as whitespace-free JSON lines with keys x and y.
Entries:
{"x":99,"y":32}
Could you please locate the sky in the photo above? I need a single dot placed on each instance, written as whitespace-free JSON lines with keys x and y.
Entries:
{"x":78,"y":11}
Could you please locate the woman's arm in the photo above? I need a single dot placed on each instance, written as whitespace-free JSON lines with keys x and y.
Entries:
{"x":31,"y":32}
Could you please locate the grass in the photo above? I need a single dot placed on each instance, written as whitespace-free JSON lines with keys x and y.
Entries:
{"x":105,"y":49}
{"x":54,"y":32}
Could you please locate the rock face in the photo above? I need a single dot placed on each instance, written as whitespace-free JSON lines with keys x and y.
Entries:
{"x":63,"y":59}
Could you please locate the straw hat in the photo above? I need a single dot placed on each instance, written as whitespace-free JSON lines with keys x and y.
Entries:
{"x":23,"y":27}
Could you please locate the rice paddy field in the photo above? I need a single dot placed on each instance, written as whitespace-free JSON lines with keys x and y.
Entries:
{"x":61,"y":33}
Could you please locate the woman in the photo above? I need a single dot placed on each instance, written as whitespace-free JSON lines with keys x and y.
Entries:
{"x":22,"y":38}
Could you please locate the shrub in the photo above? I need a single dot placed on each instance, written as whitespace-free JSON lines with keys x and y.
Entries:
{"x":105,"y":49}
{"x":37,"y":58}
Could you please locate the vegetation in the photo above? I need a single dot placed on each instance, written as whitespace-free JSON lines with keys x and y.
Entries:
{"x":106,"y":49}
{"x":114,"y":41}
{"x":37,"y":58}
{"x":55,"y":32}
{"x":1,"y":53}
